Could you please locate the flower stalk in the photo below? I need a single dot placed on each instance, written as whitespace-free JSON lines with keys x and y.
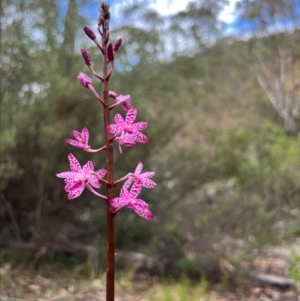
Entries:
{"x":110,"y":215}
{"x":125,"y":132}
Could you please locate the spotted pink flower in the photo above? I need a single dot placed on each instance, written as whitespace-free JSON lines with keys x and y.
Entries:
{"x":131,"y":139}
{"x":125,"y":101}
{"x":125,"y":139}
{"x":130,"y":200}
{"x":79,"y":177}
{"x":140,"y":179}
{"x":82,"y":139}
{"x":122,"y":126}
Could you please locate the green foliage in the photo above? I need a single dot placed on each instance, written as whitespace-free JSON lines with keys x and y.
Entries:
{"x":294,"y":267}
{"x":63,"y":260}
{"x":227,"y":172}
{"x":181,"y":291}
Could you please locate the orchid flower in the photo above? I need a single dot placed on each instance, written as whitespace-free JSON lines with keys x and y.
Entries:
{"x":122,"y":126}
{"x":140,"y":179}
{"x":82,"y":139}
{"x":80,"y":177}
{"x":130,"y":200}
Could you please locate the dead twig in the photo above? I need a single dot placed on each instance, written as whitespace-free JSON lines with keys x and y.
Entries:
{"x":282,"y":282}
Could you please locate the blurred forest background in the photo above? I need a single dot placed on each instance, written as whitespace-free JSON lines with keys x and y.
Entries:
{"x":223,"y":106}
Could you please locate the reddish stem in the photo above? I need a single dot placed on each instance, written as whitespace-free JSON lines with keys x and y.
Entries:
{"x":110,"y":270}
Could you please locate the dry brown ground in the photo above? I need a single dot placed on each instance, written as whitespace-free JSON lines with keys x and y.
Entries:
{"x":19,"y":284}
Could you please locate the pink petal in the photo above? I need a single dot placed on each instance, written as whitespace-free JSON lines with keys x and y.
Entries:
{"x":119,"y":119}
{"x":141,"y":138}
{"x":75,"y":193}
{"x":76,"y":143}
{"x":74,"y":164}
{"x":126,"y":106}
{"x":127,"y":139}
{"x":148,"y":183}
{"x":93,"y":180}
{"x":66,"y":174}
{"x":85,"y":134}
{"x":128,"y":183}
{"x":139,"y":126}
{"x":101,"y":173}
{"x":78,"y":136}
{"x":123,"y":98}
{"x":114,"y":129}
{"x":88,"y":167}
{"x":148,"y":174}
{"x":73,"y":184}
{"x":131,"y":115}
{"x":138,"y":168}
{"x":118,"y":203}
{"x":124,"y":193}
{"x":135,"y":190}
{"x":141,"y":208}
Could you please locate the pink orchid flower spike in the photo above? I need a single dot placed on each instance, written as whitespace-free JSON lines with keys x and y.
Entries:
{"x":122,"y":126}
{"x":80,"y":177}
{"x":130,"y":200}
{"x":82,"y":139}
{"x":140,"y":179}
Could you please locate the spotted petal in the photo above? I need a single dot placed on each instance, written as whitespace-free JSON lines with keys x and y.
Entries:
{"x":76,"y":143}
{"x":88,"y":167}
{"x":101,"y":173}
{"x":114,"y":129}
{"x":85,"y":134}
{"x":148,"y":183}
{"x":75,"y":193}
{"x":139,"y":126}
{"x":128,"y":183}
{"x":126,"y":106}
{"x":135,"y":190}
{"x":131,"y":115}
{"x":66,"y":174}
{"x":78,"y":136}
{"x":138,"y":168}
{"x":93,"y":180}
{"x":124,"y":193}
{"x":141,"y":208}
{"x":73,"y":184}
{"x":118,"y":203}
{"x":141,"y":138}
{"x":119,"y":119}
{"x":74,"y":164}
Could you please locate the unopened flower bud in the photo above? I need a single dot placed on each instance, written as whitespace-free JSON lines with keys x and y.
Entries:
{"x":84,"y":80}
{"x":86,"y":56}
{"x":112,"y":94}
{"x":117,"y":44}
{"x":110,"y":53}
{"x":89,"y":33}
